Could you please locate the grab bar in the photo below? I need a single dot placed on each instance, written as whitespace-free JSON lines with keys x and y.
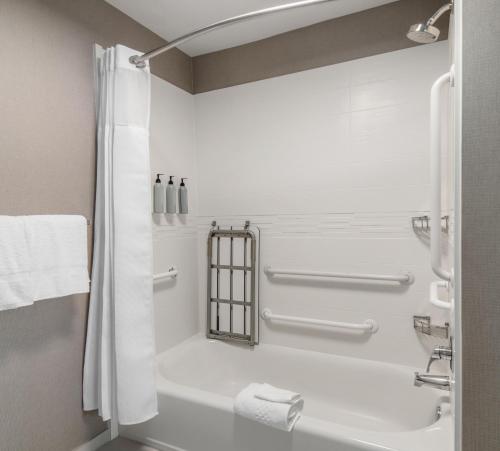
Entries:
{"x":170,"y":274}
{"x":434,"y":296}
{"x":435,"y":149}
{"x":369,"y":325}
{"x":406,"y":278}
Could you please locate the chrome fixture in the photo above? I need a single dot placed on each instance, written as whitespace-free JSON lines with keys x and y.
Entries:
{"x":426,"y":32}
{"x":421,"y":225}
{"x":246,"y":330}
{"x":440,"y":353}
{"x":368,"y":325}
{"x":433,"y":380}
{"x":423,"y":325}
{"x":406,"y":278}
{"x":140,"y":60}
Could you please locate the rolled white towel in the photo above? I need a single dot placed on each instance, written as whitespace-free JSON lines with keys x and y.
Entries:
{"x":273,"y":407}
{"x":269,"y":393}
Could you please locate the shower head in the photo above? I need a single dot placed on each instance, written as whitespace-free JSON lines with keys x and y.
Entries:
{"x":426,"y":32}
{"x":423,"y":33}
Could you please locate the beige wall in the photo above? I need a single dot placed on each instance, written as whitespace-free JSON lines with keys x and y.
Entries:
{"x":480,"y":226}
{"x":371,"y":32}
{"x":47,"y":166}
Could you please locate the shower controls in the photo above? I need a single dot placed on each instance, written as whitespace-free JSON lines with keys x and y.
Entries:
{"x":440,"y":353}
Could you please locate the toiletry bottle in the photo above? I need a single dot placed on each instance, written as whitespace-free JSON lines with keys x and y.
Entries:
{"x":171,"y":197}
{"x":183,"y":198}
{"x":159,"y":195}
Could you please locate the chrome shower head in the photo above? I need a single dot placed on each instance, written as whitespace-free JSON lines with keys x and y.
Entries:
{"x":426,"y":32}
{"x":423,"y":33}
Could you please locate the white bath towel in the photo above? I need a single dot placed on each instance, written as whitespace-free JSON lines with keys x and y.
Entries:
{"x":16,"y":284}
{"x":269,"y":393}
{"x":42,"y":257}
{"x":58,"y":245}
{"x":282,"y":414}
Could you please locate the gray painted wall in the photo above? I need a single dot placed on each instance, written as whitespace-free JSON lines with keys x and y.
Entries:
{"x":481,"y":226}
{"x":371,"y":32}
{"x":47,"y":166}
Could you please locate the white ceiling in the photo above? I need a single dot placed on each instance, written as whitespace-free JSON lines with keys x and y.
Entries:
{"x":173,"y":18}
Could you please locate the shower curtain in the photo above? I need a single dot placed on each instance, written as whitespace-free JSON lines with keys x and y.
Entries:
{"x":119,"y":357}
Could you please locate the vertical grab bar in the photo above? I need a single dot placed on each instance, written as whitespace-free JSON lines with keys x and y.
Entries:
{"x":435,"y":148}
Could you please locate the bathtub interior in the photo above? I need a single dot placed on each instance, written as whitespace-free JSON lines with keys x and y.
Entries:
{"x":342,"y":390}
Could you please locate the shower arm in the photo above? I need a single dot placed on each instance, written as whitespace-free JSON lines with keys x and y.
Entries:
{"x":435,"y":17}
{"x":140,"y":60}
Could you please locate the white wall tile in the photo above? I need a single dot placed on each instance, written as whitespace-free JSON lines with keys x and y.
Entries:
{"x":331,"y":164}
{"x":172,"y":141}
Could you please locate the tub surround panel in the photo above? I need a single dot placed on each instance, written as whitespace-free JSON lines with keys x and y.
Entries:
{"x":480,"y":219}
{"x":175,"y":240}
{"x":370,"y":32}
{"x":330,"y":164}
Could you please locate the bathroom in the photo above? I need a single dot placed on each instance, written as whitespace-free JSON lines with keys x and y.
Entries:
{"x":276,"y":232}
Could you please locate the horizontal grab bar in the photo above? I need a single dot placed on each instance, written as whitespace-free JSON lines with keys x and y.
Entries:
{"x":406,"y":278}
{"x":369,"y":325}
{"x":170,"y":274}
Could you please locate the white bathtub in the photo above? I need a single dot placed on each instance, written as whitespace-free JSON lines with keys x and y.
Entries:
{"x":350,"y":404}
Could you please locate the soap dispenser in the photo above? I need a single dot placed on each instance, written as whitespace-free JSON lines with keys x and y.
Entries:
{"x":183,"y":198}
{"x":171,"y":197}
{"x":159,"y":195}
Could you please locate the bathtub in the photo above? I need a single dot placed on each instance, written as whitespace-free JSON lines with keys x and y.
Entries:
{"x":350,"y":404}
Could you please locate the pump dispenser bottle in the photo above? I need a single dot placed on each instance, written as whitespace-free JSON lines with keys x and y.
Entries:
{"x":183,"y":198}
{"x":159,"y":195}
{"x":171,"y":197}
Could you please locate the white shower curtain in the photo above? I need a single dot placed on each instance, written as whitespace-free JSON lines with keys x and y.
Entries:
{"x":119,"y":357}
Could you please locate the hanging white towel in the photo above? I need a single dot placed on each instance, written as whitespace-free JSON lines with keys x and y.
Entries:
{"x":280,"y":415}
{"x":119,"y":372}
{"x":42,"y":257}
{"x":58,"y":246}
{"x":16,"y":284}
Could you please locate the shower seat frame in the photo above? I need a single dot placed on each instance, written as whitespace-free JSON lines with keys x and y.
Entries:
{"x":249,"y":305}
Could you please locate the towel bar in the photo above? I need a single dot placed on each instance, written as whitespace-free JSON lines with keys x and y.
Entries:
{"x":369,"y":325}
{"x":170,"y":274}
{"x":406,"y":278}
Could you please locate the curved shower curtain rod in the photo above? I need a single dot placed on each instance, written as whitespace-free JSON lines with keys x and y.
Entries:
{"x":140,"y":60}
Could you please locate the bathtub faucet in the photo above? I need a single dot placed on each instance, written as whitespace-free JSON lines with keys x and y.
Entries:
{"x":433,"y":380}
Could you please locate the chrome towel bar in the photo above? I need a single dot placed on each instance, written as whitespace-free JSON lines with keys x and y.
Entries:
{"x":406,"y":278}
{"x":369,"y":325}
{"x":170,"y":274}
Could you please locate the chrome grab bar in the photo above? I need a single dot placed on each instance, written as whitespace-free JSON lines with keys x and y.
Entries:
{"x":170,"y":274}
{"x":369,"y":325}
{"x":406,"y":278}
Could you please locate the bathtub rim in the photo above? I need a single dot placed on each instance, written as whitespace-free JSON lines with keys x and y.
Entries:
{"x":439,"y":432}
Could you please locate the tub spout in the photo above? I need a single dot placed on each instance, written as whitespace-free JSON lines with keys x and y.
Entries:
{"x":433,"y":380}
